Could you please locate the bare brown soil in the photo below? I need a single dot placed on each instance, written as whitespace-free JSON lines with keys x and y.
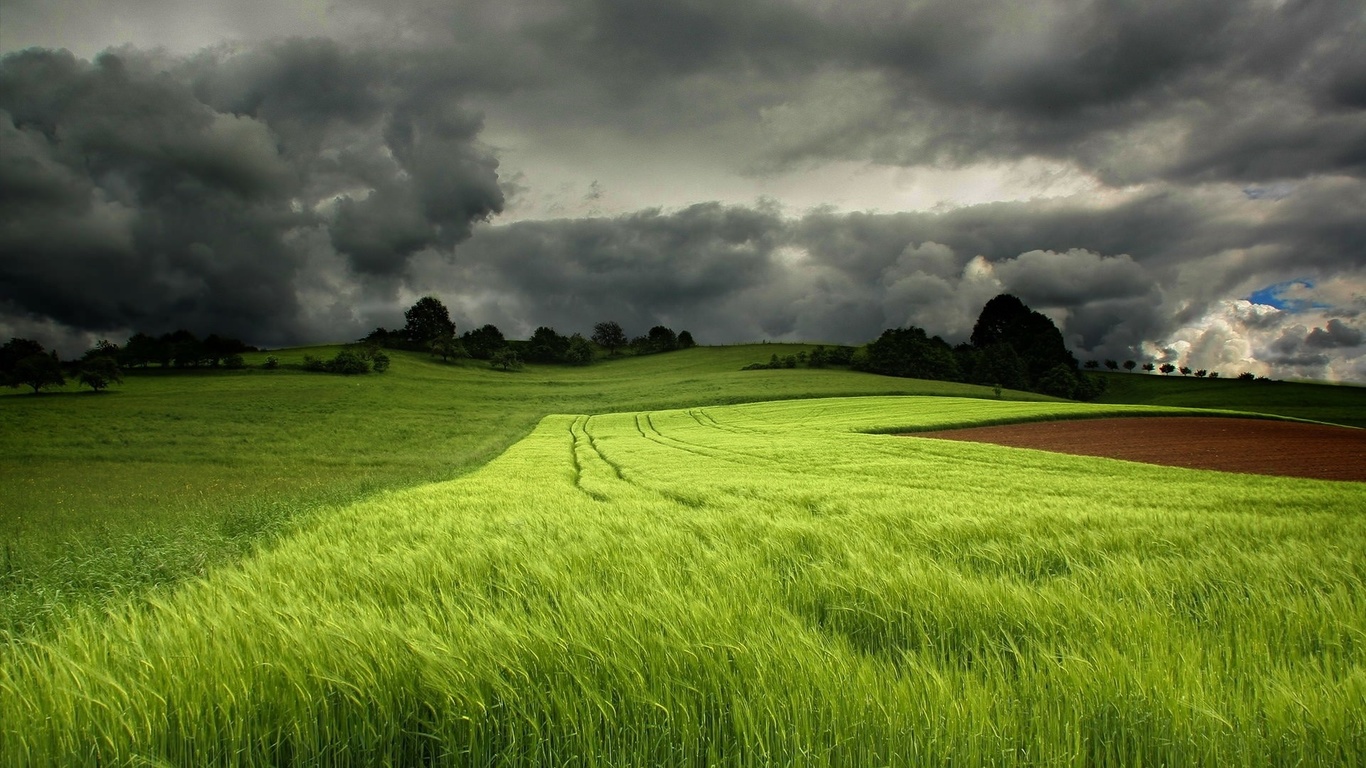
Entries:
{"x":1253,"y":446}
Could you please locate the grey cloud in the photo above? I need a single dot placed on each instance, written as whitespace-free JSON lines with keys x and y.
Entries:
{"x":148,"y":191}
{"x":1132,"y":92}
{"x":1073,"y":277}
{"x":1333,"y":335}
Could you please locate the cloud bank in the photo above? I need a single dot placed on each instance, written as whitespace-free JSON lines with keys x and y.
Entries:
{"x":1167,"y":180}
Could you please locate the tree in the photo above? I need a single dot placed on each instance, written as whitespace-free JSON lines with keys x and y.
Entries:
{"x":1166,"y":368}
{"x":1092,"y":364}
{"x":1038,"y":342}
{"x":661,"y":339}
{"x":1148,"y":367}
{"x":1061,"y":381}
{"x":1202,"y":373}
{"x":99,"y":372}
{"x":483,"y":342}
{"x":1130,"y":365}
{"x":505,"y":360}
{"x":141,"y":350}
{"x":1112,"y":365}
{"x":547,"y":346}
{"x":1185,"y":371}
{"x":426,"y":320}
{"x":912,"y":353}
{"x":38,"y":371}
{"x":609,"y":336}
{"x":447,"y":347}
{"x":580,"y":351}
{"x":685,"y":340}
{"x":12,"y":352}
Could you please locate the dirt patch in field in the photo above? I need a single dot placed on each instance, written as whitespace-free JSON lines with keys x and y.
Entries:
{"x":1231,"y":445}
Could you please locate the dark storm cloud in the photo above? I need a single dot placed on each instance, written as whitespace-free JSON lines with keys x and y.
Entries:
{"x":147,"y":192}
{"x":1335,"y":334}
{"x":640,"y":270}
{"x":1220,"y":89}
{"x":739,"y":273}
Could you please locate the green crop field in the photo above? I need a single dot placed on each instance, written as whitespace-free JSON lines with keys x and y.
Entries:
{"x":1341,"y":404}
{"x":757,"y":584}
{"x":106,"y":496}
{"x":704,"y":567}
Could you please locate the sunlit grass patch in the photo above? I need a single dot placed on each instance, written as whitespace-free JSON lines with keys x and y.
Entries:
{"x":749,"y":585}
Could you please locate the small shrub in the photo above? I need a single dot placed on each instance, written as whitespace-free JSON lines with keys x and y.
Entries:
{"x":272,"y":362}
{"x":379,"y":362}
{"x":348,"y":363}
{"x":234,"y":362}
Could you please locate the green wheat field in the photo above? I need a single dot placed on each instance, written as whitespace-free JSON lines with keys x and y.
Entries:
{"x":658,"y":561}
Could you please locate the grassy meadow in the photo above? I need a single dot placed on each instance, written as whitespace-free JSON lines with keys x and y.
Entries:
{"x":654,"y":561}
{"x":174,"y":473}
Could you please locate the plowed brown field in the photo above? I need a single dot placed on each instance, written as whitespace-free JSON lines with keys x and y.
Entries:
{"x":1232,"y":445}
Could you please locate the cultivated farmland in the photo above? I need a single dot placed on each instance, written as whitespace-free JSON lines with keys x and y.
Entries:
{"x":762,"y":584}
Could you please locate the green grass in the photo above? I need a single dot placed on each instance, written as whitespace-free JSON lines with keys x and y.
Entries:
{"x":106,"y":496}
{"x":1314,"y":402}
{"x":760,"y":584}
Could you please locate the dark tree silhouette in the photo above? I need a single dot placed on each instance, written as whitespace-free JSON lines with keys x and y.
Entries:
{"x":580,"y":350}
{"x":483,"y":342}
{"x":1112,"y":365}
{"x":38,"y":371}
{"x":662,"y":339}
{"x":426,"y":320}
{"x":1130,"y":365}
{"x":912,"y":353}
{"x":1148,"y":367}
{"x":1038,"y":342}
{"x":14,"y":350}
{"x":610,"y":336}
{"x":546,"y":346}
{"x":99,"y":372}
{"x":1166,"y":368}
{"x":685,"y":340}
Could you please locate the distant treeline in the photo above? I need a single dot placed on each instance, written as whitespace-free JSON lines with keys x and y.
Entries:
{"x":429,"y":329}
{"x":1012,"y":347}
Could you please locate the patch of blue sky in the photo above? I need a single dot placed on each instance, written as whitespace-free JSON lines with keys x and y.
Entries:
{"x":1290,"y":296}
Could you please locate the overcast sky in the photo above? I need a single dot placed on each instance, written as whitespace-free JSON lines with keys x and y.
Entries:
{"x":1178,"y":180}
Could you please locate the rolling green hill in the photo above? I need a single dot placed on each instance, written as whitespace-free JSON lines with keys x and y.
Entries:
{"x":174,"y":472}
{"x":762,"y":584}
{"x":1316,"y":402}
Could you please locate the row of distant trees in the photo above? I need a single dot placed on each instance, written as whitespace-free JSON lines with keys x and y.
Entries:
{"x":1012,"y":347}
{"x":1166,"y":369}
{"x":25,"y":363}
{"x":429,"y":328}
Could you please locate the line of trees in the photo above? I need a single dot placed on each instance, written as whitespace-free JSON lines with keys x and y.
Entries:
{"x":1012,"y":346}
{"x":24,"y":363}
{"x":428,"y":328}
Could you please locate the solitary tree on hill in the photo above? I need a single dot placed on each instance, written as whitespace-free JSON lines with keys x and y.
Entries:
{"x":1130,"y":365}
{"x":610,"y":336}
{"x":426,"y":320}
